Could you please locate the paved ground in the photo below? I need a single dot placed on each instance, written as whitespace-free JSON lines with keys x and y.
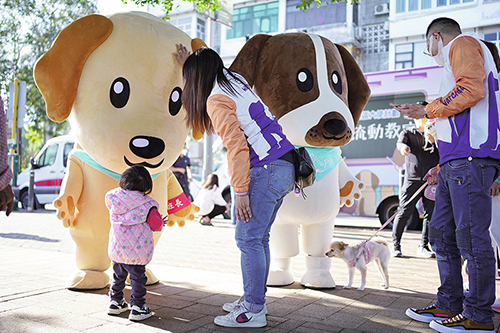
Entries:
{"x":198,"y":268}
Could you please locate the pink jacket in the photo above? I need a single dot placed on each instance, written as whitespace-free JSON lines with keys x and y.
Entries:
{"x":134,"y":216}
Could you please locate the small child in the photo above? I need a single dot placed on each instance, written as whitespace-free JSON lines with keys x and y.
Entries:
{"x":134,"y":216}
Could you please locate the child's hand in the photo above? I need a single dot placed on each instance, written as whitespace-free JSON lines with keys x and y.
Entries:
{"x":495,"y":189}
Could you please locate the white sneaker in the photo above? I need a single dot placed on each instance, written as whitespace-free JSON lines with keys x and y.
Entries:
{"x":230,"y":306}
{"x":241,"y":317}
{"x":496,"y":305}
{"x":425,"y":252}
{"x":140,"y":313}
{"x":115,"y":308}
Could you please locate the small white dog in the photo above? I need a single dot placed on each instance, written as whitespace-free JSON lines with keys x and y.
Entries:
{"x":377,"y":249}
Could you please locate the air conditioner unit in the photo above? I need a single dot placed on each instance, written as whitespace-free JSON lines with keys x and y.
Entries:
{"x":358,"y":33}
{"x":381,"y":9}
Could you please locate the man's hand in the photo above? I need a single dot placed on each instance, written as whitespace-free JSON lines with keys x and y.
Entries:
{"x":405,"y":150}
{"x":182,"y":53}
{"x":242,"y":208}
{"x":415,"y":111}
{"x":432,"y":176}
{"x":495,"y":189}
{"x":7,"y":200}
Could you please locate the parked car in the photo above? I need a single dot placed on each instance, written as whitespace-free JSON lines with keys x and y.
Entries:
{"x":49,"y":166}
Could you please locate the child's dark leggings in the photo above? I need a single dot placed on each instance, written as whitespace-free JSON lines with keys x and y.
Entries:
{"x":137,"y":282}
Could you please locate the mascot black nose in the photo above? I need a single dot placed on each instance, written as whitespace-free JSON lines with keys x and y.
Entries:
{"x":335,"y":126}
{"x":146,"y":146}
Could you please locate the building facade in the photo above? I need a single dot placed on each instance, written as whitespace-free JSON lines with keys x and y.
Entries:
{"x":380,"y":35}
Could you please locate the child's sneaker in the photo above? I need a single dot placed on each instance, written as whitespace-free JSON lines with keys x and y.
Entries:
{"x":115,"y":308}
{"x":460,"y":324}
{"x":140,"y":313}
{"x":241,"y":317}
{"x":428,"y":314}
{"x":230,"y":306}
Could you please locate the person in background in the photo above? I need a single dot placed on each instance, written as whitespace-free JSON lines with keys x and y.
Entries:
{"x":182,"y":171}
{"x":210,"y":200}
{"x":260,"y":160}
{"x":467,"y":123}
{"x":418,"y":147}
{"x":134,"y":216}
{"x":6,"y":194}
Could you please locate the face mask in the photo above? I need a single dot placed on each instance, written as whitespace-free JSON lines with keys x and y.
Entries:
{"x":439,"y":57}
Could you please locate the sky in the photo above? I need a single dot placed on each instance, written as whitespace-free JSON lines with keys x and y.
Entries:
{"x":108,"y":7}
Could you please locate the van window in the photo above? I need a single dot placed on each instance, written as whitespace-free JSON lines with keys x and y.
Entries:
{"x":48,"y":157}
{"x":68,"y":146}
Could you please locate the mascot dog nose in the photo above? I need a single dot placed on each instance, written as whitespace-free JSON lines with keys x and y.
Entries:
{"x":146,"y":146}
{"x":335,"y":126}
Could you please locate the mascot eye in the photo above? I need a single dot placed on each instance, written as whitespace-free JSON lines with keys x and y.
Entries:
{"x":175,"y":103}
{"x":305,"y":80}
{"x":337,"y":82}
{"x":119,"y":92}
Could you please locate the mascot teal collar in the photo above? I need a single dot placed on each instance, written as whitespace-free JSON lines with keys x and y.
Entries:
{"x":325,"y":159}
{"x":82,"y":155}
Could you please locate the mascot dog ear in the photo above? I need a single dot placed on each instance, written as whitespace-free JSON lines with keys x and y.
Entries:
{"x":359,"y":90}
{"x":246,"y":60}
{"x":58,"y":71}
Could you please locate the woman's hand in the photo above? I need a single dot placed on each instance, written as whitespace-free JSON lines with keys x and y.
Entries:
{"x":495,"y":189}
{"x":242,"y":208}
{"x":182,"y":53}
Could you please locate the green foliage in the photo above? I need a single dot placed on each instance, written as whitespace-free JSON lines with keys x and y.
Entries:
{"x":27,"y":30}
{"x":213,"y":5}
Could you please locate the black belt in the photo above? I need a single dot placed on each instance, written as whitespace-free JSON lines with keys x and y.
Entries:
{"x":287,"y":157}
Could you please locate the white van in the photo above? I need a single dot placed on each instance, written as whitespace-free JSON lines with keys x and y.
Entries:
{"x":50,"y":167}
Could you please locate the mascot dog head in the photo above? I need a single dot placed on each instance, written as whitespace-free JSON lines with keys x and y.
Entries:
{"x":313,"y":86}
{"x":117,"y":81}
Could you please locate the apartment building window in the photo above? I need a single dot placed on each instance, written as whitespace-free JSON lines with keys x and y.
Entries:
{"x":248,"y":21}
{"x":414,"y":5}
{"x":200,"y":28}
{"x":314,"y":16}
{"x":493,"y":37}
{"x":184,"y":24}
{"x":375,"y":39}
{"x":411,"y":55}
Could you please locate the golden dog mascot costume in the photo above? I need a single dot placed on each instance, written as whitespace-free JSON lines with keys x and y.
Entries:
{"x":317,"y":91}
{"x":117,"y":82}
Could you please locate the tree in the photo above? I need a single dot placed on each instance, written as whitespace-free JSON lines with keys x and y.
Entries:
{"x":213,"y":5}
{"x":27,"y":30}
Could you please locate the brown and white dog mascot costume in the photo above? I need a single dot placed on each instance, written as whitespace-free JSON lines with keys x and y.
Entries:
{"x":117,"y":81}
{"x":317,"y":91}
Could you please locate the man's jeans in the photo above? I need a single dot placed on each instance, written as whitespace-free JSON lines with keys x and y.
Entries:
{"x":268,"y":186}
{"x":459,"y":227}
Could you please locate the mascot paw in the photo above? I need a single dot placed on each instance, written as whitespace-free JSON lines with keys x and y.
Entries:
{"x":280,"y":277}
{"x":180,"y":217}
{"x":351,"y":191}
{"x":65,"y":206}
{"x":87,"y":280}
{"x":318,"y":279}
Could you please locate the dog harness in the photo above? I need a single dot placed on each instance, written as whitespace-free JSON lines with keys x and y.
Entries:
{"x":366,"y":249}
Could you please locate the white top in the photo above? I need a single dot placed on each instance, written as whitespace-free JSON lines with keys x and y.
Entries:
{"x":207,"y":199}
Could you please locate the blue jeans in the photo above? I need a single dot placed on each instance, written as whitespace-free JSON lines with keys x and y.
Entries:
{"x":459,"y":227}
{"x":268,"y":186}
{"x":138,"y":281}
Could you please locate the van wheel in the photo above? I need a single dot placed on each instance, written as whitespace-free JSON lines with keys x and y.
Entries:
{"x":25,"y":200}
{"x":389,"y":207}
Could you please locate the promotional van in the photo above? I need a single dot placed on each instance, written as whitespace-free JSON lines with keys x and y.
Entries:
{"x":372,"y":155}
{"x":49,"y":166}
